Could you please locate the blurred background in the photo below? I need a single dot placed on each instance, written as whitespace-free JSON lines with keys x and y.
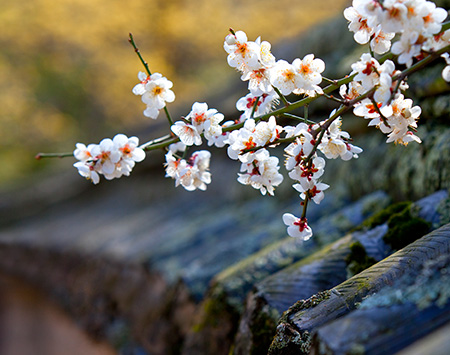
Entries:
{"x":126,"y":262}
{"x":67,"y":69}
{"x":66,"y":75}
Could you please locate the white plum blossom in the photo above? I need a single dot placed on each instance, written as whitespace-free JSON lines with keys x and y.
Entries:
{"x":335,"y":143}
{"x":399,"y":118}
{"x":106,"y":156}
{"x":241,"y":140}
{"x":196,"y":175}
{"x":252,"y":59}
{"x":298,"y":130}
{"x":82,"y":152}
{"x":87,"y":170}
{"x":139,"y":89}
{"x":366,"y":70}
{"x":383,"y":92}
{"x":394,"y":16}
{"x":311,"y":189}
{"x":285,"y":77}
{"x":437,"y":42}
{"x":407,"y":48}
{"x":351,"y":92}
{"x":258,"y":81}
{"x":202,"y":121}
{"x":368,"y":110}
{"x":129,"y":147}
{"x":243,"y":54}
{"x":203,"y":117}
{"x":266,"y":57}
{"x":266,"y":132}
{"x":219,"y":140}
{"x":297,"y":227}
{"x":174,"y":166}
{"x":311,"y":171}
{"x":301,"y":147}
{"x":358,"y":25}
{"x":262,"y":173}
{"x":310,"y":70}
{"x":431,"y":17}
{"x":177,"y":147}
{"x":264,"y":105}
{"x":187,"y":133}
{"x":404,"y":118}
{"x":370,"y":9}
{"x":155,"y":92}
{"x":381,"y":41}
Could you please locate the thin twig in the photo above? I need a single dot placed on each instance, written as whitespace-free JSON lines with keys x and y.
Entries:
{"x":136,"y":49}
{"x":38,"y":156}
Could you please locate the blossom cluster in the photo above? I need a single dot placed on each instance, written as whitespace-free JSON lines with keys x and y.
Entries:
{"x":200,"y":120}
{"x":306,"y":167}
{"x":267,"y":78}
{"x":417,"y":21}
{"x":112,"y":158}
{"x":387,"y":109}
{"x":258,"y":168}
{"x":264,"y":73}
{"x":193,"y":173}
{"x":374,"y":90}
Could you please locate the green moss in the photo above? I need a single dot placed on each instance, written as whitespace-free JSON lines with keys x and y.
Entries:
{"x":263,"y":328}
{"x":216,"y":309}
{"x":301,"y":305}
{"x":289,"y":341}
{"x":358,"y":260}
{"x":384,"y":215}
{"x":444,"y":212}
{"x":405,"y":228}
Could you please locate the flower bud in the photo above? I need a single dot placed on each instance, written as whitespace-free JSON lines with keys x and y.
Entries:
{"x":230,"y":39}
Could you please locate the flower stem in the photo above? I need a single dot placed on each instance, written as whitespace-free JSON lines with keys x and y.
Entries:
{"x":420,"y":64}
{"x":383,"y":118}
{"x":329,"y":81}
{"x":445,"y":26}
{"x":298,"y":118}
{"x":155,"y":141}
{"x":168,"y":115}
{"x":136,"y":49}
{"x":332,"y":98}
{"x":154,"y":145}
{"x":305,"y":206}
{"x":39,"y":156}
{"x":255,"y":106}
